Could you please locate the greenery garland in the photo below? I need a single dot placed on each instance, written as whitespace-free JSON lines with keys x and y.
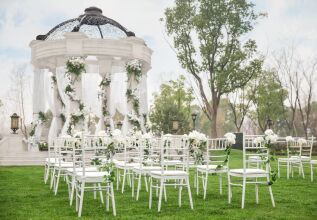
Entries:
{"x":75,"y":65}
{"x":134,"y":69}
{"x":105,"y":82}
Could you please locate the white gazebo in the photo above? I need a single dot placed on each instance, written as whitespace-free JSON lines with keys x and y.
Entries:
{"x":106,"y":48}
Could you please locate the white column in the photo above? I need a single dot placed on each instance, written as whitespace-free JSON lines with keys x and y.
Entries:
{"x":38,"y":101}
{"x":143,"y":98}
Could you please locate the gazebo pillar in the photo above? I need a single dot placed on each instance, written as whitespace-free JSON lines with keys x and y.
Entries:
{"x":38,"y":103}
{"x":105,"y":70}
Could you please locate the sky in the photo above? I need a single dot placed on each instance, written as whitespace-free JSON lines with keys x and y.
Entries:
{"x":289,"y":22}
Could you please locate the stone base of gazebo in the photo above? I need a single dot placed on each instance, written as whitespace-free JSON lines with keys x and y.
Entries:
{"x":14,"y":152}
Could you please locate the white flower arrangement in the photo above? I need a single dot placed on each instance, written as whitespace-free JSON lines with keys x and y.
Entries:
{"x":102,"y":133}
{"x":289,"y":138}
{"x":269,"y":132}
{"x":77,"y":61}
{"x":116,"y":132}
{"x":77,"y":134}
{"x":258,"y":140}
{"x":134,"y":64}
{"x":302,"y":141}
{"x":231,"y":138}
{"x":197,"y":136}
{"x":147,"y":136}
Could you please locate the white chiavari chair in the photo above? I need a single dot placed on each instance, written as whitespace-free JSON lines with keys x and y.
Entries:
{"x":215,"y":157}
{"x":251,"y":175}
{"x":149,"y":153}
{"x":172,"y":148}
{"x":95,"y":181}
{"x":64,"y":154}
{"x":49,"y":161}
{"x":128,"y":162}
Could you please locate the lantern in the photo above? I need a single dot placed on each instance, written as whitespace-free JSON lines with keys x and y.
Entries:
{"x":119,"y":125}
{"x":14,"y":123}
{"x":194,"y":117}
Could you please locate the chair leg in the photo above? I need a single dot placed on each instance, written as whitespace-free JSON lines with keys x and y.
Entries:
{"x":278,"y":169}
{"x":189,"y":193}
{"x":256,"y":191}
{"x":180,"y":194}
{"x":150,"y":199}
{"x":229,"y":189}
{"x":100,"y":193}
{"x":118,"y":177}
{"x":165,"y":194}
{"x":123,"y":181}
{"x":57,"y":181}
{"x":220,"y":183}
{"x":271,"y":192}
{"x":72,"y":191}
{"x":243,"y":192}
{"x":197,"y":183}
{"x":195,"y":179}
{"x":302,"y":167}
{"x":113,"y":200}
{"x":311,"y":172}
{"x":52,"y":178}
{"x":132,"y":184}
{"x":81,"y":199}
{"x":95,"y":192}
{"x":107,"y":199}
{"x":288,"y":167}
{"x":146,"y":184}
{"x":139,"y":186}
{"x":160,"y":195}
{"x":205,"y":185}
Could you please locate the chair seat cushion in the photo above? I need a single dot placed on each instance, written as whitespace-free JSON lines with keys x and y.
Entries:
{"x":248,"y":171}
{"x":51,"y":160}
{"x":80,"y":169}
{"x":92,"y":174}
{"x":64,"y":164}
{"x":300,"y":157}
{"x":210,"y":167}
{"x":169,"y":173}
{"x":291,"y":159}
{"x":313,"y":161}
{"x":147,"y":168}
{"x":172,"y":162}
{"x":123,"y":164}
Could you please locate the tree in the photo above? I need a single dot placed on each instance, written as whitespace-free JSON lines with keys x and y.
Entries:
{"x":267,"y":100}
{"x":20,"y":81}
{"x":172,"y":102}
{"x":240,"y":102}
{"x":207,"y":39}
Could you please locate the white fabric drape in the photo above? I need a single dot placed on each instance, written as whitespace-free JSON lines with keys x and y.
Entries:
{"x":54,"y":105}
{"x":62,"y":81}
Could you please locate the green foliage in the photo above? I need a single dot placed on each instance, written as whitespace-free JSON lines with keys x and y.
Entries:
{"x":62,"y":116}
{"x":75,"y":68}
{"x":42,"y":117}
{"x":69,"y":89}
{"x":267,"y":99}
{"x":134,"y":72}
{"x":105,"y":82}
{"x":54,"y":80}
{"x":173,"y":101}
{"x":219,"y":55}
{"x":32,"y":132}
{"x":109,"y":167}
{"x":43,"y":146}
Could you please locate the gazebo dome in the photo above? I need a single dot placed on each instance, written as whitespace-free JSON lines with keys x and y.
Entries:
{"x":92,"y":23}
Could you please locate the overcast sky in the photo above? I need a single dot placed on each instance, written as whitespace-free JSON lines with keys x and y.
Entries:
{"x":288,"y":22}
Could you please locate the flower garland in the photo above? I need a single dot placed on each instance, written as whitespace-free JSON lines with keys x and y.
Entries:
{"x":269,"y":138}
{"x":197,"y":145}
{"x":41,"y":119}
{"x":103,"y":85}
{"x":230,"y":140}
{"x":75,"y":66}
{"x":134,"y":69}
{"x":134,"y":73}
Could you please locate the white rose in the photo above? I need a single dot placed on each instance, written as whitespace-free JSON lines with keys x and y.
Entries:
{"x":268,"y":132}
{"x":289,"y":138}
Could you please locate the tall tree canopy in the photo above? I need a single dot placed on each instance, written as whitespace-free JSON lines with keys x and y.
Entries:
{"x":172,"y":102}
{"x":207,"y":39}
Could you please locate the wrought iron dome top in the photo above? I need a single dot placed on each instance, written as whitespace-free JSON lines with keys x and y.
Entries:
{"x":92,"y":23}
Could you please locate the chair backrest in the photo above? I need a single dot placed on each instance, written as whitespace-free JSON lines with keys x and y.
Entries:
{"x":63,"y":148}
{"x":307,"y":148}
{"x":216,"y":152}
{"x":252,"y":148}
{"x":293,"y":148}
{"x":174,"y":148}
{"x":131,"y":150}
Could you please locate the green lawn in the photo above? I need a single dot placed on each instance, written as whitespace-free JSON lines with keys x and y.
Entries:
{"x":23,"y":195}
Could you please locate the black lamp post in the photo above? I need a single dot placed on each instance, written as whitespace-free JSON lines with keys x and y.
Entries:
{"x":119,"y":125}
{"x":14,"y":123}
{"x":175,"y":125}
{"x":194,"y":117}
{"x":269,"y":122}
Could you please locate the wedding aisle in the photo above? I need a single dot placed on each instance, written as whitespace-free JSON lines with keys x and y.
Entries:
{"x":23,"y":196}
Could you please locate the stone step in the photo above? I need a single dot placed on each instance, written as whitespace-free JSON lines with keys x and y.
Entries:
{"x":21,"y":162}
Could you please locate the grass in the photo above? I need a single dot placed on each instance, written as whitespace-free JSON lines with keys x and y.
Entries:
{"x":23,"y":195}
